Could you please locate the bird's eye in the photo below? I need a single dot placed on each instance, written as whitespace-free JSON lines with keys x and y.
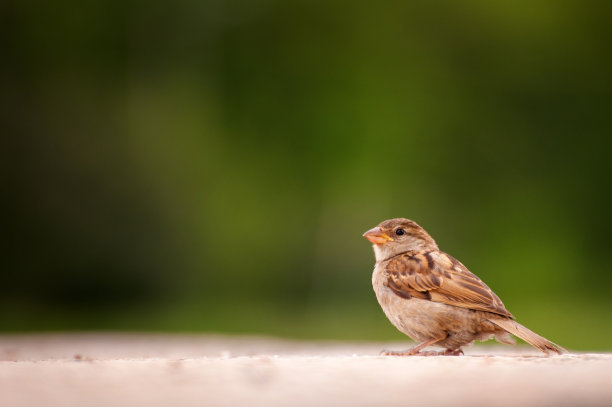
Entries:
{"x":399,"y":231}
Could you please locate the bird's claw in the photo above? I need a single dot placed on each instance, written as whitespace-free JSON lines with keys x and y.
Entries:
{"x":410,"y":352}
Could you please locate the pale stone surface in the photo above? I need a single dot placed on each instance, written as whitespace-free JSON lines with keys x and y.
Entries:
{"x":204,"y":370}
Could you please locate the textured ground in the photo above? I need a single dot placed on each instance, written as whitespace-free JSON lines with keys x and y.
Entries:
{"x":161,"y":370}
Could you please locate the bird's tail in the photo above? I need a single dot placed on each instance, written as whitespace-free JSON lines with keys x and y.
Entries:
{"x":527,"y":335}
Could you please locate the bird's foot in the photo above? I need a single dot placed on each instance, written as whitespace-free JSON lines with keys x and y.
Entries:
{"x":408,"y":352}
{"x":416,"y":352}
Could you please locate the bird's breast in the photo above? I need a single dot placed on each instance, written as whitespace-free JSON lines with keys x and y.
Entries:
{"x":419,"y":319}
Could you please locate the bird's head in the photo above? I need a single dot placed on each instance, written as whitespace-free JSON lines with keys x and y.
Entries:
{"x":395,"y":236}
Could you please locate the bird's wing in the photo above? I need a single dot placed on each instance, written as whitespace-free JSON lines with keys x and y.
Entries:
{"x":438,"y":277}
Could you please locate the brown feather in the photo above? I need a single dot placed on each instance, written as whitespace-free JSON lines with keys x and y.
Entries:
{"x":444,"y":278}
{"x":527,"y":335}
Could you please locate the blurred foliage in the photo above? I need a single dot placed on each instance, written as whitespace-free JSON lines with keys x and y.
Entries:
{"x":211,"y":165}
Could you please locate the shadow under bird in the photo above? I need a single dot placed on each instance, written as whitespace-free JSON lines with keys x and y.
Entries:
{"x":433,"y":298}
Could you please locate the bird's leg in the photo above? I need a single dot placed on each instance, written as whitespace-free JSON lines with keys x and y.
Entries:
{"x":414,"y":351}
{"x":450,"y":352}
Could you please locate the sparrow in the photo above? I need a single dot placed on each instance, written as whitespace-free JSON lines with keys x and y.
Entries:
{"x":433,"y":298}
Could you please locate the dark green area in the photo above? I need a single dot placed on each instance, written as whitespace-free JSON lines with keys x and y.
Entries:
{"x":211,"y":165}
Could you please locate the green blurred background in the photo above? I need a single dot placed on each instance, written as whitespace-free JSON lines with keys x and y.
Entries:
{"x":210,"y":166}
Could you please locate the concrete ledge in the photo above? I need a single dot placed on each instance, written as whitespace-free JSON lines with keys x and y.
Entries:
{"x":206,"y":370}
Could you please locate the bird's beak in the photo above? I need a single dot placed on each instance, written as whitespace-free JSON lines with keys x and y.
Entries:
{"x":377,"y":236}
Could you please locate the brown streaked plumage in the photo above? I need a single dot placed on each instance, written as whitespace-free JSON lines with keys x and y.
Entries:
{"x":433,"y":298}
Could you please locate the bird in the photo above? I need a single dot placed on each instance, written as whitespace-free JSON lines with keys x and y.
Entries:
{"x":434,"y":299}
